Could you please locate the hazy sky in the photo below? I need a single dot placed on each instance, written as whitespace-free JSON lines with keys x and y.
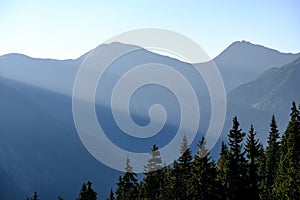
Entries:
{"x":52,"y":29}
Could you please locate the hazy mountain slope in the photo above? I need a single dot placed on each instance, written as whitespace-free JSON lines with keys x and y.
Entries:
{"x":242,"y":62}
{"x":239,"y":63}
{"x":271,"y":93}
{"x":56,"y":75}
{"x":39,"y":153}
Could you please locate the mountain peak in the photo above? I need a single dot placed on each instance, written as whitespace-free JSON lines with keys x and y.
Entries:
{"x":243,"y":61}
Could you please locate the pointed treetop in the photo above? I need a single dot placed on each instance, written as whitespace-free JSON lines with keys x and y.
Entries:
{"x":111,"y":195}
{"x":155,"y":161}
{"x":184,"y":145}
{"x":235,"y":123}
{"x":295,"y":112}
{"x":203,"y":150}
{"x":128,"y":168}
{"x":274,"y":132}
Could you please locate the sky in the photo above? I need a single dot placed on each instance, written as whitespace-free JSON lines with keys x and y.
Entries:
{"x":68,"y":29}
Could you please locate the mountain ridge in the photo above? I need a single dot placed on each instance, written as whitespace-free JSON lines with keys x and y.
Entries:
{"x":46,"y":86}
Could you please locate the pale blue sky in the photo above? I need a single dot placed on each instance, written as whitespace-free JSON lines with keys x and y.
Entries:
{"x":52,"y":29}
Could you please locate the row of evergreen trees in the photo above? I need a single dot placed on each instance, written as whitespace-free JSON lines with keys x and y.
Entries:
{"x":244,"y":170}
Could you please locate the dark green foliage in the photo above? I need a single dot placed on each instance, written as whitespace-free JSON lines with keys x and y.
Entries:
{"x":184,"y":170}
{"x":287,"y":182}
{"x":152,"y":183}
{"x":223,"y":169}
{"x":237,"y":180}
{"x":60,"y":198}
{"x":174,"y":183}
{"x":127,"y":186}
{"x":254,"y":152}
{"x":87,"y":192}
{"x":203,"y":184}
{"x":272,"y":159}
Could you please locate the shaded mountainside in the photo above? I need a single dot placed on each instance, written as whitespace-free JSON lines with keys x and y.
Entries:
{"x":271,"y":93}
{"x":39,"y":153}
{"x":273,"y":90}
{"x":243,"y":61}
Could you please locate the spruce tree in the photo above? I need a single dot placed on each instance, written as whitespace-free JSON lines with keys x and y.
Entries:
{"x":254,"y":151}
{"x":185,"y":165}
{"x":127,"y":187}
{"x":87,"y":192}
{"x":237,"y":181}
{"x":174,"y":181}
{"x":155,"y":162}
{"x":287,"y":182}
{"x":272,"y":158}
{"x":223,"y":169}
{"x":111,"y":195}
{"x":151,"y":186}
{"x":34,"y":197}
{"x":165,"y":184}
{"x":204,"y":184}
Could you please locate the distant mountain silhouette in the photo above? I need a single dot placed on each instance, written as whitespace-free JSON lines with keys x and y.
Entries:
{"x":243,"y":61}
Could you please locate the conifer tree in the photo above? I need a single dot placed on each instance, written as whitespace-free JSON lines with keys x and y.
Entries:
{"x":34,"y":197}
{"x":111,"y":195}
{"x":166,"y":184}
{"x":151,"y":185}
{"x":272,"y":158}
{"x":287,"y":182}
{"x":185,"y":166}
{"x":204,"y":183}
{"x":174,"y":181}
{"x":254,"y":152}
{"x":127,"y":187}
{"x":87,"y":192}
{"x":237,"y":181}
{"x":223,"y":169}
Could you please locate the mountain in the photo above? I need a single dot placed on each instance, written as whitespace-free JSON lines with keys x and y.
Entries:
{"x":40,"y":148}
{"x":271,"y":93}
{"x":239,"y":63}
{"x":40,"y":153}
{"x":243,"y":61}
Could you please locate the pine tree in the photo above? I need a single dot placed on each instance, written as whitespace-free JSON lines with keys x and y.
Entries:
{"x":87,"y":192}
{"x":287,"y":182}
{"x":127,"y":186}
{"x":151,"y":186}
{"x":254,"y":151}
{"x":166,"y":184}
{"x":261,"y":160}
{"x":111,"y":195}
{"x":204,"y":184}
{"x":34,"y":197}
{"x":173,"y":183}
{"x":185,"y":166}
{"x":272,"y":158}
{"x":155,"y":162}
{"x":237,"y":163}
{"x":223,"y":169}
